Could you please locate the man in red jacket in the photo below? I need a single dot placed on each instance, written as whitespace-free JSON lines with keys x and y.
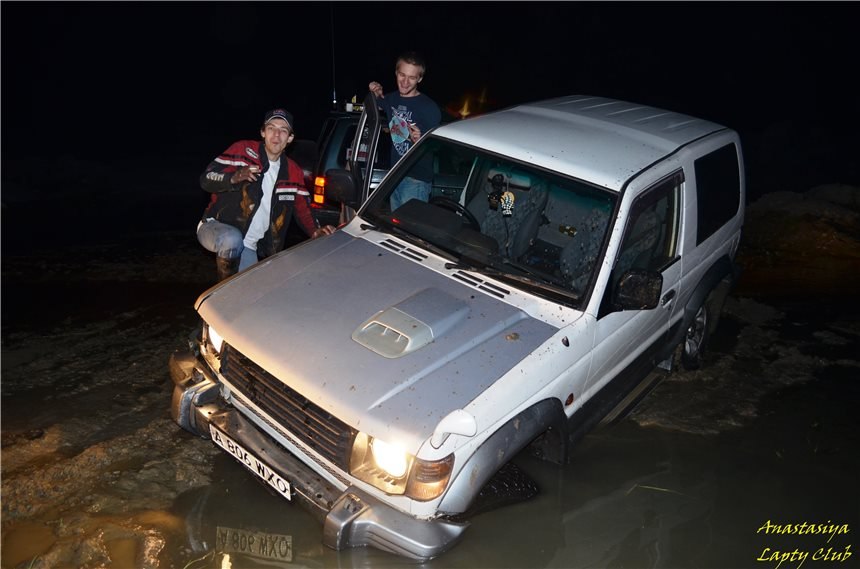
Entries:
{"x":256,"y":192}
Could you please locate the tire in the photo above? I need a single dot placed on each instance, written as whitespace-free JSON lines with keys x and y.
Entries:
{"x":509,"y":485}
{"x":696,"y":339}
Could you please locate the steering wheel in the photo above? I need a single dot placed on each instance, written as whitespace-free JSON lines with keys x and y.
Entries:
{"x":458,"y":208}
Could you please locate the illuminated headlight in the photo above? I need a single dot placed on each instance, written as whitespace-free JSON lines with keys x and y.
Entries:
{"x":213,"y":340}
{"x":389,"y":458}
{"x":394,"y":471}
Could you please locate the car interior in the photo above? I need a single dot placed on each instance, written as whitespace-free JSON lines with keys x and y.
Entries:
{"x":552,"y":227}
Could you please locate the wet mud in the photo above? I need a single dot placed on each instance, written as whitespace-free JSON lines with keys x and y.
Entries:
{"x":95,"y":474}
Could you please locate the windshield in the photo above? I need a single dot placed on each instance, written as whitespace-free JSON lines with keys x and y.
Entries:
{"x":531,"y":228}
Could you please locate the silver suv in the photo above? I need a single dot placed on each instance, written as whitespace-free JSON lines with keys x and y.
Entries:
{"x":384,"y":375}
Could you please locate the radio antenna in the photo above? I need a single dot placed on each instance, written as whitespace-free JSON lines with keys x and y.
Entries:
{"x":333,"y":85}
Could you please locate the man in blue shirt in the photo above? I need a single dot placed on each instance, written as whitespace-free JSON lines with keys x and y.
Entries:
{"x":410,"y":114}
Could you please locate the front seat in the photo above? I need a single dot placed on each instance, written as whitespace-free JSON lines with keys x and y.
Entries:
{"x":514,"y":222}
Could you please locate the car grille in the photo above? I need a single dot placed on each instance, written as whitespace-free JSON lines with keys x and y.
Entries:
{"x":319,"y":430}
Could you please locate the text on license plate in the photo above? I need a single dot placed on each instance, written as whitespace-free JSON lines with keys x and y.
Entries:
{"x":253,"y":463}
{"x":256,"y":544}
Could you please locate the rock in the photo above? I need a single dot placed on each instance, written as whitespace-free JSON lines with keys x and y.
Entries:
{"x":799,"y":244}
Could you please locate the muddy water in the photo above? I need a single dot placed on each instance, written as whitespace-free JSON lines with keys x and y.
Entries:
{"x":94,"y":473}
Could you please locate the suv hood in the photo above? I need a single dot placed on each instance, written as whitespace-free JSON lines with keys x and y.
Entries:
{"x":380,"y":341}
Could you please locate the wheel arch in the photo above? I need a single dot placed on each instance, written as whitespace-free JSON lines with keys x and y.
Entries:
{"x":498,"y":449}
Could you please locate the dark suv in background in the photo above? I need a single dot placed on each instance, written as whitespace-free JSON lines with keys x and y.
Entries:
{"x":335,"y":144}
{"x":332,"y":150}
{"x":329,"y":150}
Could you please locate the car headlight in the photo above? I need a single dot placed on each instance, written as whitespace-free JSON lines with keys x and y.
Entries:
{"x":212,"y":340}
{"x":389,"y":458}
{"x":394,"y":471}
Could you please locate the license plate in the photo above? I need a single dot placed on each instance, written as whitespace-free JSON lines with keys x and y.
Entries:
{"x":253,"y":463}
{"x":256,"y":544}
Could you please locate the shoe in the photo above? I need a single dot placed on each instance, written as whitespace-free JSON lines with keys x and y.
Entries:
{"x":226,"y":267}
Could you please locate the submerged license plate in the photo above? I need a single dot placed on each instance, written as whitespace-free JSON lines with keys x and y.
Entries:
{"x":253,"y":463}
{"x":256,"y":544}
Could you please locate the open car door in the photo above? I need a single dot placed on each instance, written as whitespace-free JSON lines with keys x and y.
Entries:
{"x":368,"y":147}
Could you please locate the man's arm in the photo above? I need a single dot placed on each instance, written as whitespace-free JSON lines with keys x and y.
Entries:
{"x":230,"y":170}
{"x":376,"y":89}
{"x":435,"y":115}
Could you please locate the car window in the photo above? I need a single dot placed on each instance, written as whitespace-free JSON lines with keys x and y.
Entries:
{"x":344,"y":150}
{"x":494,"y":213}
{"x":718,"y":190}
{"x":383,"y":152}
{"x":650,"y":239}
{"x":326,"y":130}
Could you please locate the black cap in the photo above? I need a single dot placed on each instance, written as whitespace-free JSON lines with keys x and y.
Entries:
{"x":279,"y":114}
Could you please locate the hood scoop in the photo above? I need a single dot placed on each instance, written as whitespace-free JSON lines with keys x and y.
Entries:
{"x":412,"y":324}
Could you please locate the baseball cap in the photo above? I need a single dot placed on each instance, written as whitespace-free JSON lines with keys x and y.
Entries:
{"x":279,"y":114}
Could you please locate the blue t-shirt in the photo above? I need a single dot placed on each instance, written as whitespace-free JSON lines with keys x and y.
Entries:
{"x":420,"y":110}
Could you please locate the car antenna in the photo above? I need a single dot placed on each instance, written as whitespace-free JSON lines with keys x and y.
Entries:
{"x":333,"y":88}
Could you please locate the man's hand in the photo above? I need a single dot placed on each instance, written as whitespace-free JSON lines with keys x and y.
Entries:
{"x":247,"y":174}
{"x":324,"y":230}
{"x":376,"y":89}
{"x":414,"y":132}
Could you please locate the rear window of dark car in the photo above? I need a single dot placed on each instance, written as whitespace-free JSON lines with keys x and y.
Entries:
{"x":718,"y":189}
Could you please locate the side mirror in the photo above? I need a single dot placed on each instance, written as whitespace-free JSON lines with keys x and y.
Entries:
{"x":638,"y":289}
{"x":340,"y":187}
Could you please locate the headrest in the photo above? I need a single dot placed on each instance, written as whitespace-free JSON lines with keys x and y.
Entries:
{"x":509,"y":180}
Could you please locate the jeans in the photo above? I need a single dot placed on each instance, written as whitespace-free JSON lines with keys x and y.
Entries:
{"x":225,"y":241}
{"x":410,"y":188}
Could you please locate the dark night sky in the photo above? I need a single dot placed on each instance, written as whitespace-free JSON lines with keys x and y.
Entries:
{"x":180,"y":81}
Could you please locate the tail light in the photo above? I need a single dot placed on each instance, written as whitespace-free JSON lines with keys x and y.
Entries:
{"x":319,"y":190}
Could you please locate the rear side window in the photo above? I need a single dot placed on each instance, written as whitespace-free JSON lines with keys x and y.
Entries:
{"x":345,"y":148}
{"x":718,"y":189}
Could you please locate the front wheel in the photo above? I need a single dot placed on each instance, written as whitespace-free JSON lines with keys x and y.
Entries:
{"x":695,"y":339}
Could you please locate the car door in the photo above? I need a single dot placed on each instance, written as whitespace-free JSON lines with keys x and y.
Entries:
{"x":362,"y":150}
{"x":371,"y":142}
{"x":625,"y":340}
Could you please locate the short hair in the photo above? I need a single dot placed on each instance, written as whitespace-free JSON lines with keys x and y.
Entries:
{"x":412,"y":58}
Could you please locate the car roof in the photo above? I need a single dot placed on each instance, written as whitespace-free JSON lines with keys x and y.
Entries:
{"x":600,"y":140}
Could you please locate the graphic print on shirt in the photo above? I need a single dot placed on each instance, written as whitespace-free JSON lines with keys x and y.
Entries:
{"x":399,"y":127}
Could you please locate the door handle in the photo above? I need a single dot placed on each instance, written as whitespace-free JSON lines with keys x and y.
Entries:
{"x":667,"y":297}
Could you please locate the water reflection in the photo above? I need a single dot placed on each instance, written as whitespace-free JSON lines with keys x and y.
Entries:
{"x":617,"y":505}
{"x":632,"y":497}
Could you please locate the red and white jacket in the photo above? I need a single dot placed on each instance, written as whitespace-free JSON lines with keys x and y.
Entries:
{"x":235,"y":204}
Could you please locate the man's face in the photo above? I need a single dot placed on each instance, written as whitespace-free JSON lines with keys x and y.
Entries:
{"x":277,"y":135}
{"x":408,"y":77}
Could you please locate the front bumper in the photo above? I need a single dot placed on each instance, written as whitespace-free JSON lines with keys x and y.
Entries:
{"x":350,"y":516}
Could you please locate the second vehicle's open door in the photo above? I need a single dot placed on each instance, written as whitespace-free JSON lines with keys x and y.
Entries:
{"x":365,"y":149}
{"x":370,"y":146}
